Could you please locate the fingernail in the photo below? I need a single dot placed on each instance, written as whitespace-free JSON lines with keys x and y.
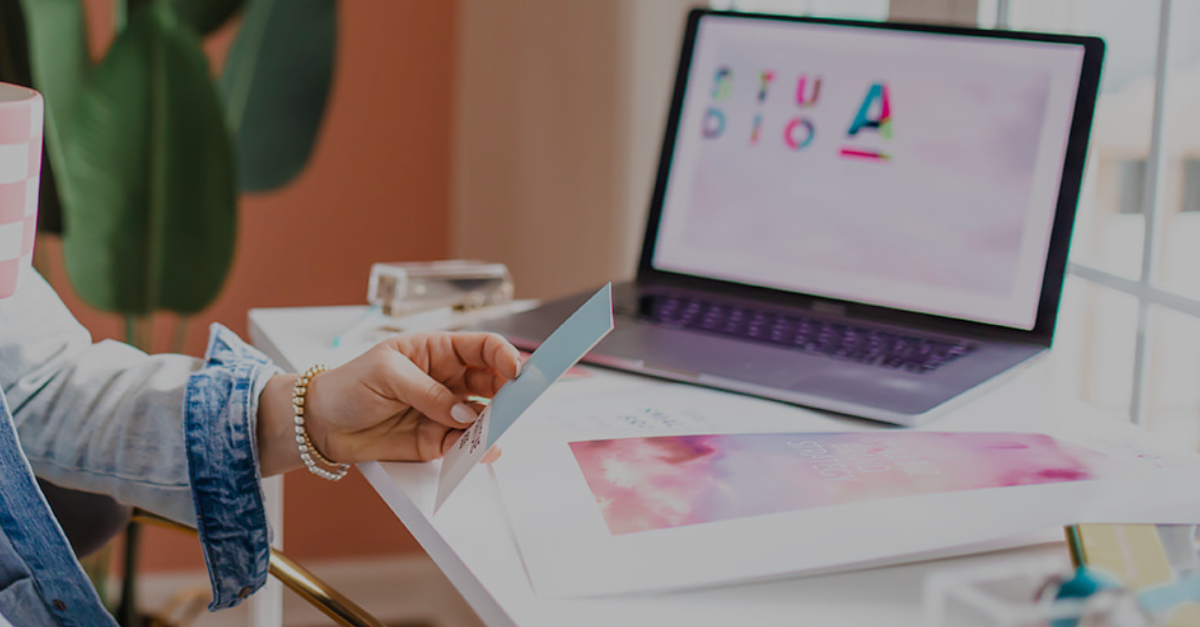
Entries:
{"x":463,"y":414}
{"x":518,"y":368}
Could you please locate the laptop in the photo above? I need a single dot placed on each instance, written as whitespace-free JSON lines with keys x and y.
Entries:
{"x":867,"y":218}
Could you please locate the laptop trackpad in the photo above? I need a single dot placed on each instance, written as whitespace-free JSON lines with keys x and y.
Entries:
{"x":687,"y":354}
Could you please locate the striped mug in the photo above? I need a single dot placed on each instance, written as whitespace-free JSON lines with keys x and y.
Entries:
{"x":20,"y":168}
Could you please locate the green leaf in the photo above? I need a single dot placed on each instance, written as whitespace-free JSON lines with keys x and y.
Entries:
{"x":59,"y":65}
{"x":58,"y":50}
{"x":205,"y":16}
{"x":275,"y":85}
{"x":151,"y":201}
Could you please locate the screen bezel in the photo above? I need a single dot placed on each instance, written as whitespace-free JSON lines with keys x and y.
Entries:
{"x":1060,"y":235}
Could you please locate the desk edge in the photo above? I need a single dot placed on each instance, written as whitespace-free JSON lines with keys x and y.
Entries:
{"x":459,"y":574}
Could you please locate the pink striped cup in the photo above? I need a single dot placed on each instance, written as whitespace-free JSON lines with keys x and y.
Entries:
{"x":20,"y":168}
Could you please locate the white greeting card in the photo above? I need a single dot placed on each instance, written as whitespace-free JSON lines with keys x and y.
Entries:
{"x":563,"y":349}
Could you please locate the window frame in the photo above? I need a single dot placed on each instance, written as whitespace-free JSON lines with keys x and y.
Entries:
{"x":1144,"y":290}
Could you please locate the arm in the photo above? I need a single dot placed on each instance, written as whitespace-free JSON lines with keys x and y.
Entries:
{"x":168,"y":433}
{"x":403,"y":400}
{"x":106,"y":418}
{"x":64,"y":392}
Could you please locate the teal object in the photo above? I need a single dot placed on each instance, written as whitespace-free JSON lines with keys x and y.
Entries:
{"x":1085,"y":583}
{"x":275,"y":86}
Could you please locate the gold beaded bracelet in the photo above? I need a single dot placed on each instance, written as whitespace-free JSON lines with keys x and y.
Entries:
{"x":307,"y":450}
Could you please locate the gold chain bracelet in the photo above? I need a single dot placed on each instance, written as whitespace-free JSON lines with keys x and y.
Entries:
{"x":307,"y":449}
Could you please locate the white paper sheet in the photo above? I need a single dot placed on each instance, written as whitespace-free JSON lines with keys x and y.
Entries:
{"x":571,"y":548}
{"x":563,"y":349}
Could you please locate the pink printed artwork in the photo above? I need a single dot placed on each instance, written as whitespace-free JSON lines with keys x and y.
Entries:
{"x":642,"y":484}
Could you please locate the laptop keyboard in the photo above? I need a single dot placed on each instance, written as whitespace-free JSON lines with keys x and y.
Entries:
{"x":809,"y":335}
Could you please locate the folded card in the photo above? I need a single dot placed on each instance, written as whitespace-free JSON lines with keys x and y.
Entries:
{"x":562,"y":350}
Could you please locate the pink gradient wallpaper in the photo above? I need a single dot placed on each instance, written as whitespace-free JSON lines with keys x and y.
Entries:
{"x":642,"y":484}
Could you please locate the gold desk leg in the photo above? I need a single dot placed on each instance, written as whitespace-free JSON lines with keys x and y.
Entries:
{"x":332,"y":603}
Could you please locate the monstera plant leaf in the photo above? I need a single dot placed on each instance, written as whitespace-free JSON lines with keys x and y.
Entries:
{"x":205,"y":16}
{"x":46,"y":48}
{"x":275,"y":85}
{"x":151,"y":197}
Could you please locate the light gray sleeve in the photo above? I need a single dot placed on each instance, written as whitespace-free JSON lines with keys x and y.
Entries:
{"x":100,"y":417}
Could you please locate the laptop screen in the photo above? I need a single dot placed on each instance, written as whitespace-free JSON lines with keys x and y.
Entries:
{"x":911,"y":170}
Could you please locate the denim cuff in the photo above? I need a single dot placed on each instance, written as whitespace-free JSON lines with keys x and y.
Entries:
{"x":220,"y":410}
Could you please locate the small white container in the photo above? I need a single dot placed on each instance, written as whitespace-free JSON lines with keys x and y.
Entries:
{"x":400,"y":289}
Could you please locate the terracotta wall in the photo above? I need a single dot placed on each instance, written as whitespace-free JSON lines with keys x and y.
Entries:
{"x":377,"y":189}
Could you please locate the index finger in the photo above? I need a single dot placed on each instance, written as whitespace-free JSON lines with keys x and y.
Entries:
{"x":487,"y":350}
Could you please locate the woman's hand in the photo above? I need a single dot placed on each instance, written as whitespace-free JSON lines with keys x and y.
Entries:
{"x":403,"y":400}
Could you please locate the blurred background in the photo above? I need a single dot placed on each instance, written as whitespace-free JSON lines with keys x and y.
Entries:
{"x":527,"y":131}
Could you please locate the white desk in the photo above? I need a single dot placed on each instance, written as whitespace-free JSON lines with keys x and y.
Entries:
{"x":470,"y":540}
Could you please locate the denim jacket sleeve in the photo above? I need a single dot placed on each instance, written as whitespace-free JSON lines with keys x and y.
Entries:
{"x":168,"y":433}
